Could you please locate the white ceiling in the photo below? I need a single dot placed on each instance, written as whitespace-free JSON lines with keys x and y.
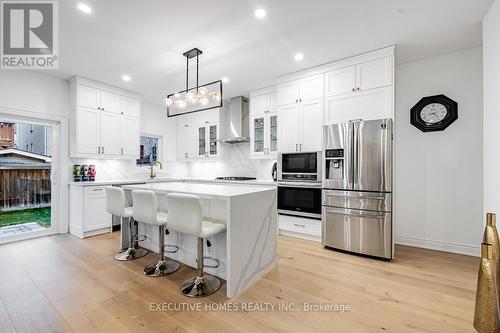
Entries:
{"x":146,"y":38}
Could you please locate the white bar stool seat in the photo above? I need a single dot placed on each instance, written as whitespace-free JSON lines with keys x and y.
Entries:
{"x":185,"y":215}
{"x":115,"y":205}
{"x":146,"y":211}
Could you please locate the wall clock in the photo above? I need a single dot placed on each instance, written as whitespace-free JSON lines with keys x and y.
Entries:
{"x":434,"y":113}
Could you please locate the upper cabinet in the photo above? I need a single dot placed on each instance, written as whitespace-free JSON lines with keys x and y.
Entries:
{"x":299,"y":90}
{"x":300,"y":114}
{"x":360,"y":77}
{"x":198,"y":136}
{"x":104,"y":121}
{"x":263,"y":124}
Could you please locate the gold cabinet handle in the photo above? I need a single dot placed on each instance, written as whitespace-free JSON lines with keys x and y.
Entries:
{"x":299,"y":225}
{"x":353,"y":89}
{"x":358,"y":89}
{"x":103,"y":150}
{"x":98,"y":150}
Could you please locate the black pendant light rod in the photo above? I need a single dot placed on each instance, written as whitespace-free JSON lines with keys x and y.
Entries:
{"x":197,"y":72}
{"x":187,"y":73}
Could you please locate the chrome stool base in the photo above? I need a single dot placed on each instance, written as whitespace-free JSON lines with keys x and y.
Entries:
{"x":197,"y":287}
{"x":162,"y":267}
{"x":131,"y":254}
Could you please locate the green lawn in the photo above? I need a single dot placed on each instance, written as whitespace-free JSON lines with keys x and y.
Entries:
{"x":38,"y":215}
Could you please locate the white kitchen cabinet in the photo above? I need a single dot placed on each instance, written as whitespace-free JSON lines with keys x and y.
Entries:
{"x":87,"y":125}
{"x":110,"y":133}
{"x":369,"y":104}
{"x":104,"y":121}
{"x":340,"y":81}
{"x":300,"y":90}
{"x":207,"y":135}
{"x":289,"y":127}
{"x":130,"y":106}
{"x":263,"y":124}
{"x":110,"y":102}
{"x":300,"y":126}
{"x":264,"y":135}
{"x":374,"y":74}
{"x":89,"y":97}
{"x":364,"y":76}
{"x":198,"y":136}
{"x":129,"y":143}
{"x":311,"y":125}
{"x":88,"y":215}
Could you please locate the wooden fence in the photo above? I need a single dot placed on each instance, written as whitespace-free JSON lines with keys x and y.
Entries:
{"x":24,"y":188}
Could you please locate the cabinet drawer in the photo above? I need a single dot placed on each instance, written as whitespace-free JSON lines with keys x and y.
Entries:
{"x":94,"y":190}
{"x":299,"y":225}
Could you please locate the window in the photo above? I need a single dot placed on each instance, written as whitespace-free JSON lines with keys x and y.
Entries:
{"x":148,"y":150}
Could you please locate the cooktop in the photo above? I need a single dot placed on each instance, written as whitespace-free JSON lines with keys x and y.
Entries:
{"x":235,"y":178}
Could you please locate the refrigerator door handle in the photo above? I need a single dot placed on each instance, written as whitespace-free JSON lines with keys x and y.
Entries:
{"x":355,"y":158}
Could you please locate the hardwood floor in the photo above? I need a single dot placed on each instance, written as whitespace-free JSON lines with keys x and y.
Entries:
{"x":63,"y":284}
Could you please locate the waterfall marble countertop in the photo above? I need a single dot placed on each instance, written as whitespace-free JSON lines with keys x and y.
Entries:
{"x":172,"y":179}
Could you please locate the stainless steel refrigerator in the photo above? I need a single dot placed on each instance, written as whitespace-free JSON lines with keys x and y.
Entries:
{"x":357,"y":186}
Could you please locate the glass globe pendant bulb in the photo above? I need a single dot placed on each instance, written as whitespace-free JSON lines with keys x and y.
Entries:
{"x":203,"y":91}
{"x":216,"y":96}
{"x":204,"y":101}
{"x":169,"y":101}
{"x":181,"y":104}
{"x":190,"y":97}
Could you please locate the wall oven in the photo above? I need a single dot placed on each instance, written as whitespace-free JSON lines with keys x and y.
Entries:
{"x":299,"y":184}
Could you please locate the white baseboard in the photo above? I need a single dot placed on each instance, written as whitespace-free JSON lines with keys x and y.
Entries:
{"x":300,"y":235}
{"x":439,"y":245}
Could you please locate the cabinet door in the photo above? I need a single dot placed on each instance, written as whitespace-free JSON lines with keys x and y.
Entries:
{"x":110,"y":133}
{"x":272,"y":102}
{"x":312,"y":124}
{"x":371,"y":104}
{"x":213,"y":136}
{"x":340,"y":81}
{"x":89,"y":97}
{"x":130,"y":106}
{"x":289,"y":128}
{"x":258,"y":104}
{"x":95,"y":215}
{"x":311,"y":87}
{"x":88,"y":131}
{"x":374,"y":74}
{"x":110,"y":102}
{"x":183,"y":142}
{"x":288,"y":93}
{"x":129,"y":136}
{"x":202,"y":141}
{"x":272,"y":130}
{"x":257,"y":135}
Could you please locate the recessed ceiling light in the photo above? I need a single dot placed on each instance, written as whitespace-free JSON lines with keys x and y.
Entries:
{"x":298,"y":57}
{"x":225,"y":80}
{"x":84,"y":8}
{"x":126,"y":78}
{"x":260,"y":13}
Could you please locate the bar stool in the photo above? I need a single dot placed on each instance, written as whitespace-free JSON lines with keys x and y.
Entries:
{"x":185,"y":216}
{"x":115,"y":205}
{"x":146,"y":211}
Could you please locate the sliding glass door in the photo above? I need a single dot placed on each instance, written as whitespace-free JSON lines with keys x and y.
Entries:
{"x":29,"y":165}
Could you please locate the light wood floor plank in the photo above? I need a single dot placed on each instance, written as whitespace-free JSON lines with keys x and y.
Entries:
{"x":64,"y":284}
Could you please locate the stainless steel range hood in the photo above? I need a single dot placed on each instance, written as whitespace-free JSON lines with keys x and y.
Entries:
{"x":235,"y":121}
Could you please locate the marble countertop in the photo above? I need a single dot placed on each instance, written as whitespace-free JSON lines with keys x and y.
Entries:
{"x":172,"y":179}
{"x":207,"y":190}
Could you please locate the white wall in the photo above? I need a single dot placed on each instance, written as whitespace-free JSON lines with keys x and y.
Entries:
{"x":438,"y":176}
{"x":491,"y":51}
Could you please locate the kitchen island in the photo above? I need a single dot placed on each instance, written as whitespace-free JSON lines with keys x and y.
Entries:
{"x":248,"y":248}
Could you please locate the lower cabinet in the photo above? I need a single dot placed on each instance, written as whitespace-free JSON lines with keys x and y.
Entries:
{"x":300,"y":227}
{"x":87,"y":211}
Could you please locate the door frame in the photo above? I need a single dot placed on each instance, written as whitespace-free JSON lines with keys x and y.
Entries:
{"x":59,"y":172}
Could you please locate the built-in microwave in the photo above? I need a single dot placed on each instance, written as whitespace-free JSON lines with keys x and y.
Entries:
{"x":299,"y":167}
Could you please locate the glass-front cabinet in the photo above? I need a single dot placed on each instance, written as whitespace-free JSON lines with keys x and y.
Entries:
{"x":264,"y":136}
{"x":263,"y":125}
{"x":208,"y":134}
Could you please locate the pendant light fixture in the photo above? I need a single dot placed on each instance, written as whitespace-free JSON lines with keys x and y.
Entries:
{"x":197,"y":98}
